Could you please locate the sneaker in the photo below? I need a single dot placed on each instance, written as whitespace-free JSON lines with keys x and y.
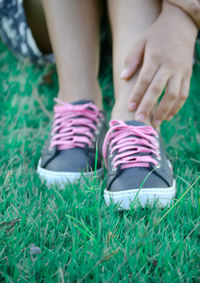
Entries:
{"x":138,"y":170}
{"x":73,"y":148}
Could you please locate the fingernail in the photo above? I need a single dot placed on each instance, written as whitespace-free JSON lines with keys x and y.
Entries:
{"x":157,"y":123}
{"x":139,"y":117}
{"x":124,"y":74}
{"x":169,"y":118}
{"x":132,"y":106}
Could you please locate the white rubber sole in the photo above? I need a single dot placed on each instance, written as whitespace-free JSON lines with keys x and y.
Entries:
{"x":62,"y":178}
{"x":126,"y":199}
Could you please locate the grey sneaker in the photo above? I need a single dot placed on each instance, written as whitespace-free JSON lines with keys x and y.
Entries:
{"x":70,"y":152}
{"x":138,"y":170}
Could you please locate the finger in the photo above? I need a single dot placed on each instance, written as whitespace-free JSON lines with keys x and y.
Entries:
{"x":133,"y":60}
{"x":168,"y":101}
{"x":146,"y":75}
{"x":191,"y":7}
{"x":184,"y":92}
{"x":152,"y":94}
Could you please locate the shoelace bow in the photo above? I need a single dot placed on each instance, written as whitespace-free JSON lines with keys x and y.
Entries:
{"x":74,"y":125}
{"x":127,"y":141}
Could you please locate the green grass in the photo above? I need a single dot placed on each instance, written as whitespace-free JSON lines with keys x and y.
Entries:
{"x":80,"y":238}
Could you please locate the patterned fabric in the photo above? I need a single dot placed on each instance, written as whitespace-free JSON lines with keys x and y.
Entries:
{"x":16,"y":34}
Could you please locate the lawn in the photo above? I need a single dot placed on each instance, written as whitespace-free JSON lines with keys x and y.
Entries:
{"x":78,"y":237}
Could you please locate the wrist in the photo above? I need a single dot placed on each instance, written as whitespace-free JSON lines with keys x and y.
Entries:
{"x":179,"y":17}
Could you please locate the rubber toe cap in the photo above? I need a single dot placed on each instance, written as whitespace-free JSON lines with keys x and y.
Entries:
{"x":72,"y":160}
{"x":133,"y":178}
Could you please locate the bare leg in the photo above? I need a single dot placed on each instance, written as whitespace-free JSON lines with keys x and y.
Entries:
{"x":74,"y":32}
{"x":37,"y":22}
{"x":129,"y":18}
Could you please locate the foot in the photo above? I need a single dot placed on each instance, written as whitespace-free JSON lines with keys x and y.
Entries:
{"x":138,"y":170}
{"x":73,"y":149}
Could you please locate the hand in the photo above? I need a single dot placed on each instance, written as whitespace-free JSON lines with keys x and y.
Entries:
{"x":165,"y":51}
{"x":192,"y":7}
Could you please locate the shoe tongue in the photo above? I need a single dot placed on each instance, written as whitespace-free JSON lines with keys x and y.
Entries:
{"x":82,"y":101}
{"x":135,"y":123}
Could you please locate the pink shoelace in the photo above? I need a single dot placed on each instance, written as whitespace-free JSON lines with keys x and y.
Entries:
{"x":128,"y":141}
{"x":74,"y":125}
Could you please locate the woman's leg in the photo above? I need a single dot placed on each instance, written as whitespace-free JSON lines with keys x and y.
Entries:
{"x":129,"y":18}
{"x":138,"y":169}
{"x":74,"y":32}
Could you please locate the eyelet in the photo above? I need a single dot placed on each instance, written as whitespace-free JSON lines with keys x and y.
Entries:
{"x":92,"y":146}
{"x":159,"y":157}
{"x":99,"y":124}
{"x":114,"y":168}
{"x":112,"y":164}
{"x":50,"y":148}
{"x":110,"y":155}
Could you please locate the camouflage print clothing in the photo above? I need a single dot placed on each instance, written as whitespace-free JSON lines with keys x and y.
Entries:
{"x":16,"y":34}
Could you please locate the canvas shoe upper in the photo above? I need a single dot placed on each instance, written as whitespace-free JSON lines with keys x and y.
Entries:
{"x":73,"y":148}
{"x":137,"y":165}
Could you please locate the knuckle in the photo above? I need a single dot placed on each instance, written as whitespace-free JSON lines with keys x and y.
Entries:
{"x":172,"y":95}
{"x":172,"y":63}
{"x":183,"y":96}
{"x":163,"y":111}
{"x":145,"y":79}
{"x":156,"y":88}
{"x":147,"y":106}
{"x":155,"y":56}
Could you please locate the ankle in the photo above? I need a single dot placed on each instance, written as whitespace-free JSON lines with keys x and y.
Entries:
{"x":69,"y":96}
{"x":121,"y":113}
